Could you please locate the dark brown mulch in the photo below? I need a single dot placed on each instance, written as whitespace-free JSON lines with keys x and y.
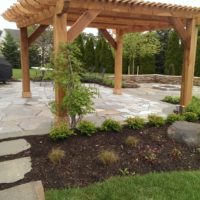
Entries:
{"x":81,"y":165}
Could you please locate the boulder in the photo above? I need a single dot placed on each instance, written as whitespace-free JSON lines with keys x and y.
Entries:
{"x":185,"y":132}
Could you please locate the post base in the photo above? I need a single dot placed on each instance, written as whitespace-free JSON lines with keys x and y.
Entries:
{"x":117,"y":91}
{"x":26,"y":94}
{"x":60,"y":119}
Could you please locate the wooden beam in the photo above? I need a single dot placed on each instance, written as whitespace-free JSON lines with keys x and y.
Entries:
{"x":118,"y":63}
{"x":60,"y":36}
{"x":36,"y":34}
{"x":180,"y":28}
{"x":26,"y":92}
{"x":82,"y":22}
{"x":189,"y":63}
{"x":108,"y":37}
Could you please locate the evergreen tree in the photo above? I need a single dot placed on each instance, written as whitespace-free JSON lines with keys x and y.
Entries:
{"x":34,"y":56}
{"x":98,"y":52}
{"x":197,"y":64}
{"x":80,"y":44}
{"x":10,"y":50}
{"x":163,"y":36}
{"x":174,"y":55}
{"x":89,"y":54}
{"x":147,"y":64}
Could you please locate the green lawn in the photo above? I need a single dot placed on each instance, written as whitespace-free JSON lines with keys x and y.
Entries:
{"x":17,"y":73}
{"x":164,"y":186}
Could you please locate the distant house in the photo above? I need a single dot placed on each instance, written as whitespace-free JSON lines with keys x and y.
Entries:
{"x":14,"y":32}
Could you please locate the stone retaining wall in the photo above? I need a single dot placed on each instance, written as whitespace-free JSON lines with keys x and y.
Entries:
{"x":156,"y":78}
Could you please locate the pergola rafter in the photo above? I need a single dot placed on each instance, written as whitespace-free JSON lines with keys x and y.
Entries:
{"x":125,"y":16}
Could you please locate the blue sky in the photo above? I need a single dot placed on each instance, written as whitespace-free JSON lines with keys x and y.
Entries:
{"x":6,"y":4}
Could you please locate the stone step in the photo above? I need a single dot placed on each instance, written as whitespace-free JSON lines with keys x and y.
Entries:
{"x":14,"y":170}
{"x":28,"y":191}
{"x":13,"y":147}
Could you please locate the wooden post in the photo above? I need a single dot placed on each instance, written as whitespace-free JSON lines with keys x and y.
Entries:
{"x":26,"y":92}
{"x":60,"y":36}
{"x":189,"y":63}
{"x":118,"y":62}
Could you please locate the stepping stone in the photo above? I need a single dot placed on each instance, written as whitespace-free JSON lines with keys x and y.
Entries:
{"x":13,"y":147}
{"x":185,"y":132}
{"x":14,"y":170}
{"x":28,"y":191}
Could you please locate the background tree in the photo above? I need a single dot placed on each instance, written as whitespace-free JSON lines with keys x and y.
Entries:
{"x":174,"y":55}
{"x":163,"y":36}
{"x":137,"y":46}
{"x":197,"y":64}
{"x":89,"y":54}
{"x":10,"y":50}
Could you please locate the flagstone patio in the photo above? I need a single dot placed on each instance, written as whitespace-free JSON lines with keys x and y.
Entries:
{"x":19,"y":117}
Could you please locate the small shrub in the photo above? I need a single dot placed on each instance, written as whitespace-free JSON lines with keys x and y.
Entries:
{"x":135,"y":123}
{"x":171,"y":99}
{"x":190,"y":116}
{"x":150,"y":154}
{"x":111,"y":125}
{"x":86,"y":128}
{"x":56,"y":155}
{"x":132,"y":141}
{"x":171,"y":118}
{"x":194,"y":106}
{"x":155,"y":120}
{"x":60,"y":132}
{"x":176,"y":153}
{"x":108,"y":157}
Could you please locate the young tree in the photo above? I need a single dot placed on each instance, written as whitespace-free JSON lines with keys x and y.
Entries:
{"x":137,"y":45}
{"x":10,"y":50}
{"x":174,"y":55}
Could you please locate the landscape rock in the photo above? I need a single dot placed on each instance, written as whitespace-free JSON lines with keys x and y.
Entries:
{"x":13,"y":147}
{"x":28,"y":191}
{"x":185,"y":132}
{"x":14,"y":170}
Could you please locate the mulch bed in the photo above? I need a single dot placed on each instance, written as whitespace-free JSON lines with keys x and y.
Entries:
{"x":81,"y":165}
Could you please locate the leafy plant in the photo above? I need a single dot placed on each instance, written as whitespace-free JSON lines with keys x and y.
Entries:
{"x":78,"y":100}
{"x":86,"y":128}
{"x":190,"y":116}
{"x":126,"y":172}
{"x":150,"y":154}
{"x":111,"y":125}
{"x":176,"y":153}
{"x":155,"y":120}
{"x":132,"y":141}
{"x":60,"y":132}
{"x":56,"y":155}
{"x":172,"y":99}
{"x":108,"y":157}
{"x":135,"y":123}
{"x":171,"y":118}
{"x":194,"y":106}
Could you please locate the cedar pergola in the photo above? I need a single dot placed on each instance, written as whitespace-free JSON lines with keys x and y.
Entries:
{"x":125,"y":16}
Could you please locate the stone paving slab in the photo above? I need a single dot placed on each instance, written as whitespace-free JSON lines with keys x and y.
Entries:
{"x":14,"y":170}
{"x":28,"y":191}
{"x":13,"y":147}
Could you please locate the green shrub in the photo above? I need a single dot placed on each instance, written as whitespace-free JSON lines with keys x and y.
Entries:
{"x":171,"y":99}
{"x":86,"y":128}
{"x":111,"y":125}
{"x":108,"y":157}
{"x":190,"y":116}
{"x":155,"y":120}
{"x":194,"y":106}
{"x":171,"y":118}
{"x":135,"y":123}
{"x":56,"y":155}
{"x":60,"y":132}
